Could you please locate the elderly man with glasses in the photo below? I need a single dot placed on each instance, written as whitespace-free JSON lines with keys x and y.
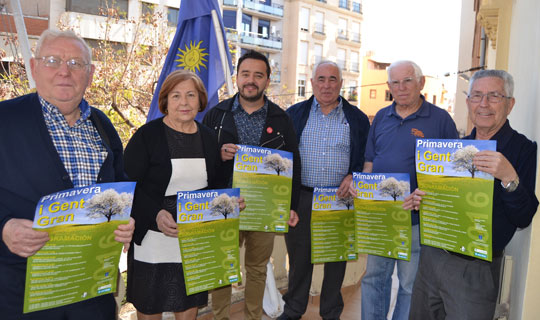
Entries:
{"x":453,"y":286}
{"x":52,"y":140}
{"x":390,"y":148}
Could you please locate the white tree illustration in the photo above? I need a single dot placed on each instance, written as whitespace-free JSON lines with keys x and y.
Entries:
{"x":276,"y":162}
{"x":393,"y":188}
{"x":463,"y":159}
{"x":108,"y":203}
{"x":223,"y":205}
{"x":347,"y":201}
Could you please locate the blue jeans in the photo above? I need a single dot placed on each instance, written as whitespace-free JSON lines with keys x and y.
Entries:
{"x":377,"y":283}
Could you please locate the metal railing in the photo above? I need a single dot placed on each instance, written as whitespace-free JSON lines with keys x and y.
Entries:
{"x":319,"y":28}
{"x":258,"y":39}
{"x":275,"y":9}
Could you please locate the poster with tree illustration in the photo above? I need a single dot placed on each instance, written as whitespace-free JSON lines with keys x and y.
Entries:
{"x":456,"y":212}
{"x":383,"y":228}
{"x":80,"y":261}
{"x":332,"y":226}
{"x":264,"y":177}
{"x":208,"y":226}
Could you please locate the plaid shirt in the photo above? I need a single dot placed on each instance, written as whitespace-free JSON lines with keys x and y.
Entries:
{"x":80,"y":147}
{"x":325,"y":147}
{"x":249,"y":126}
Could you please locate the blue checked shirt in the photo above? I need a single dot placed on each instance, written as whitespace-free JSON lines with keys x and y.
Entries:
{"x":249,"y":126}
{"x":80,"y":147}
{"x":325,"y":147}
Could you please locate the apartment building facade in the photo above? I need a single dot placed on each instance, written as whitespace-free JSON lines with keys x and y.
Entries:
{"x":321,"y":29}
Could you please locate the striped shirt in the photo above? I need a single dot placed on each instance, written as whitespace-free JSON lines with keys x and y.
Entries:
{"x":80,"y":147}
{"x":249,"y":126}
{"x":325,"y":147}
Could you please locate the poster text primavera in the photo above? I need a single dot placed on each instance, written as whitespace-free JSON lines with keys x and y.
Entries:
{"x":332,"y":227}
{"x":383,"y":228}
{"x":264,"y":177}
{"x":80,"y":261}
{"x":208,"y":237}
{"x":456,"y":212}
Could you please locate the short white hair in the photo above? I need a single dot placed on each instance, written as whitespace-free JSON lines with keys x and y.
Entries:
{"x":322,"y":62}
{"x":49,"y":35}
{"x":417,"y":71}
{"x":501,"y":74}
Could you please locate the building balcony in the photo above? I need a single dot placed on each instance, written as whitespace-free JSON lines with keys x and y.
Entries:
{"x":355,"y":67}
{"x":355,"y":36}
{"x":319,"y":28}
{"x":344,"y":4}
{"x":342,"y":64}
{"x":257,"y":39}
{"x":342,"y":35}
{"x":274,"y":10}
{"x":231,"y":3}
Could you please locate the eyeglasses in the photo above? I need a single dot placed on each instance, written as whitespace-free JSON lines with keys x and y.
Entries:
{"x":55,"y":62}
{"x":406,"y":82}
{"x":493,"y":97}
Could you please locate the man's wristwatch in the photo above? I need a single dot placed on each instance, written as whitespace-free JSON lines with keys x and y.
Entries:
{"x":511,"y":186}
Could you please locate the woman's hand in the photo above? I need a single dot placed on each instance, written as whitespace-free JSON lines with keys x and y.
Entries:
{"x":166,"y":223}
{"x":228,"y":150}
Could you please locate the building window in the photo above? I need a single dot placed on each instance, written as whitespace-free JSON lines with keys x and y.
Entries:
{"x":342,"y":28}
{"x":355,"y":32}
{"x":147,"y":9}
{"x":114,"y":8}
{"x":264,"y":28}
{"x":246,"y":22}
{"x":372,"y":94}
{"x":388,"y":96}
{"x":341,"y":59}
{"x":304,"y":19}
{"x":353,"y":93}
{"x":357,"y":7}
{"x":355,"y":65}
{"x":303,"y":53}
{"x":344,"y":4}
{"x":229,"y":19}
{"x":317,"y":53}
{"x":301,"y":85}
{"x":319,"y":22}
{"x":172,"y":16}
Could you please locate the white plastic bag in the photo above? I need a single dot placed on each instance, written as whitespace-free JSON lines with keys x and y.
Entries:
{"x":272,"y":302}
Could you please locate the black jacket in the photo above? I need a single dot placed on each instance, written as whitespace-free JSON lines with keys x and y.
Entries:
{"x":281,"y":136}
{"x":147,"y":160}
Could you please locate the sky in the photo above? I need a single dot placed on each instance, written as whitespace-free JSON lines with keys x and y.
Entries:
{"x":425,"y":31}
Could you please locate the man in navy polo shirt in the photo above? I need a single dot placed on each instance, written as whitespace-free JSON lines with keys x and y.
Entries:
{"x":390,"y":148}
{"x":453,"y":286}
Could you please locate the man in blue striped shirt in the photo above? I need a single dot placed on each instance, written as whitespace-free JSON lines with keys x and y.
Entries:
{"x":332,"y":136}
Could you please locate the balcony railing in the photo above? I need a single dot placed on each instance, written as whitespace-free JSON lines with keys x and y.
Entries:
{"x":355,"y":36}
{"x":357,"y":7}
{"x":232,"y":3}
{"x":275,"y":9}
{"x":258,"y":39}
{"x":342,"y":34}
{"x":344,"y":4}
{"x":319,"y":28}
{"x":355,"y":67}
{"x":342,"y":64}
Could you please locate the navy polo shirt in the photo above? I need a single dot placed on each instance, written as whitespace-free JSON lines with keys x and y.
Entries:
{"x":392,"y":140}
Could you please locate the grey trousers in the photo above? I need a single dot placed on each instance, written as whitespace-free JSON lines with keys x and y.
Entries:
{"x":454,"y":288}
